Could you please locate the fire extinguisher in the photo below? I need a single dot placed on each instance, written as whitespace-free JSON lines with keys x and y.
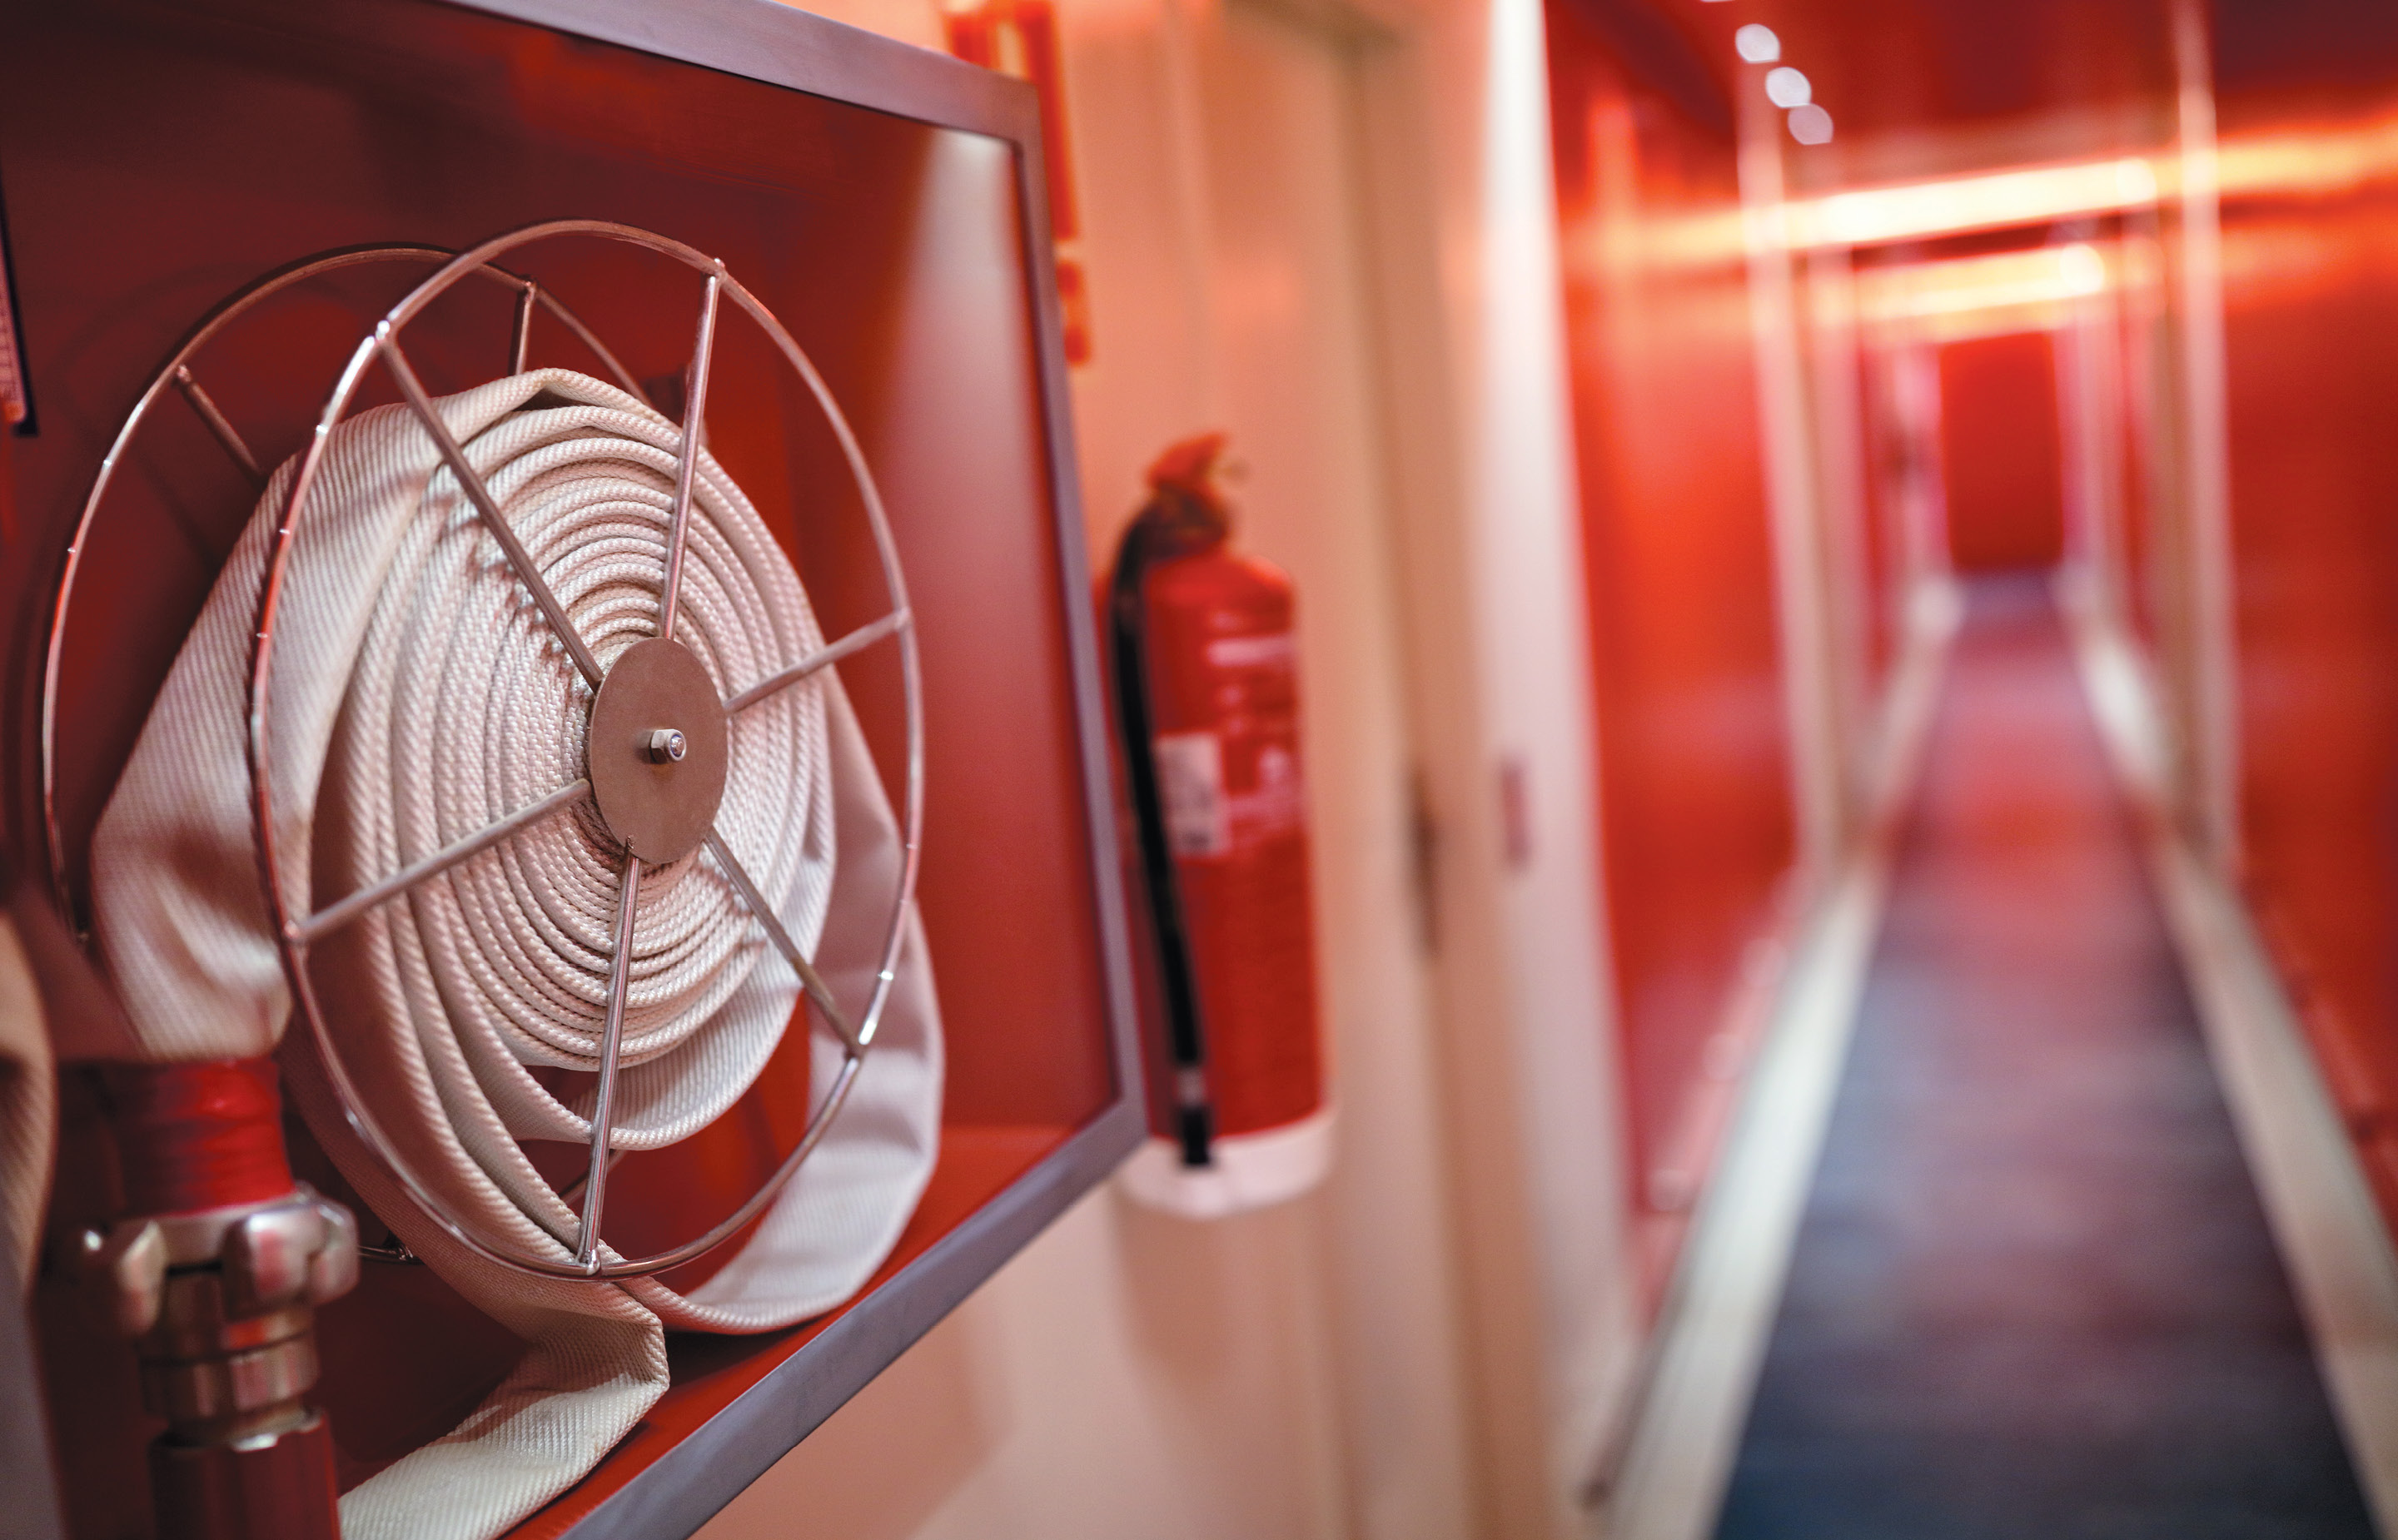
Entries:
{"x":1206,"y":685}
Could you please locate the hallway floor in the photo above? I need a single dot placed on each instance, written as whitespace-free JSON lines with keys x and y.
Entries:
{"x":2033,"y":1293}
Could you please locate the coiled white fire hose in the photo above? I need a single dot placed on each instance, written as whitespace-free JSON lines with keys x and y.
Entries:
{"x":419,"y":697}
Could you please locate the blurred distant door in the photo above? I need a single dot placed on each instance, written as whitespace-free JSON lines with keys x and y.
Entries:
{"x":2001,"y":452}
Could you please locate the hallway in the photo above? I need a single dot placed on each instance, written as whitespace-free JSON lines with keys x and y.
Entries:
{"x":2033,"y":1293}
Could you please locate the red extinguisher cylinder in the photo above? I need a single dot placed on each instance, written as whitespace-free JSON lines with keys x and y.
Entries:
{"x":1224,"y":696}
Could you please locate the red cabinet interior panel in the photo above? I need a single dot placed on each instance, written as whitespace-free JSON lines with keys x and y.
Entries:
{"x":158,"y":157}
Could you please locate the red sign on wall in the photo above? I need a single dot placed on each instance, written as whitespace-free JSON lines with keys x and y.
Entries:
{"x":1019,"y":38}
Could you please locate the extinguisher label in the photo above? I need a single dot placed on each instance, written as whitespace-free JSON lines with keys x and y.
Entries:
{"x":1191,"y":784}
{"x":1273,"y":649}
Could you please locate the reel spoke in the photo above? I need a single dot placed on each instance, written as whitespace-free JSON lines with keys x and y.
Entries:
{"x":221,"y":430}
{"x":520,"y":338}
{"x":567,"y":1193}
{"x":340,"y":913}
{"x":603,"y":1110}
{"x":703,"y":362}
{"x":810,"y":980}
{"x":387,"y":340}
{"x":824,"y":657}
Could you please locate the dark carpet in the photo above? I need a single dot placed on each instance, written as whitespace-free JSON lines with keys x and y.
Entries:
{"x":2033,"y":1292}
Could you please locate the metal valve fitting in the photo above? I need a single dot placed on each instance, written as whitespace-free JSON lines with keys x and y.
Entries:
{"x":221,"y":1305}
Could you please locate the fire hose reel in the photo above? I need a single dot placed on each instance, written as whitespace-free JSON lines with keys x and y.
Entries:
{"x":563,"y":819}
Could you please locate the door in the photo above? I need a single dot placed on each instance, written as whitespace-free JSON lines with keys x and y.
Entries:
{"x":2001,"y":452}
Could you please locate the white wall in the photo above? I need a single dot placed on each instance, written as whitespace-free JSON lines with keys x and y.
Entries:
{"x":1434,"y":1346}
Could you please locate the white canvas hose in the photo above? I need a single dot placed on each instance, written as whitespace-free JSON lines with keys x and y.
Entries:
{"x":421,"y":695}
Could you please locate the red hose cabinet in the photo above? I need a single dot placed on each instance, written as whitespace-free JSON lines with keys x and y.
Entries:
{"x":887,"y":204}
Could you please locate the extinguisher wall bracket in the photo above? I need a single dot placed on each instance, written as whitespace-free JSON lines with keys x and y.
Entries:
{"x":1245,"y":1170}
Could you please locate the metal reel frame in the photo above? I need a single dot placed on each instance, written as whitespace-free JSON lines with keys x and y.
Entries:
{"x":295,"y":932}
{"x":177,"y":372}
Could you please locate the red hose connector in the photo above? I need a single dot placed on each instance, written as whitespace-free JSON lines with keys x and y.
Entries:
{"x":216,"y":1272}
{"x":197,"y":1136}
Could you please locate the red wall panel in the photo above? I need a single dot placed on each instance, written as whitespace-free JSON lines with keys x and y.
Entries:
{"x":1693,"y":777}
{"x":2309,"y":295}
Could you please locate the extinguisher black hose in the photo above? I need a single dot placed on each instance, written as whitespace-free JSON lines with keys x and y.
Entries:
{"x":1194,"y":1113}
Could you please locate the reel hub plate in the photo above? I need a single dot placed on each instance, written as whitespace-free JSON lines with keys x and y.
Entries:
{"x":657,"y":698}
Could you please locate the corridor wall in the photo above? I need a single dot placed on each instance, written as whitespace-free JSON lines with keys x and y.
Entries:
{"x":1276,"y":197}
{"x":2305,"y":106}
{"x":1693,"y":763}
